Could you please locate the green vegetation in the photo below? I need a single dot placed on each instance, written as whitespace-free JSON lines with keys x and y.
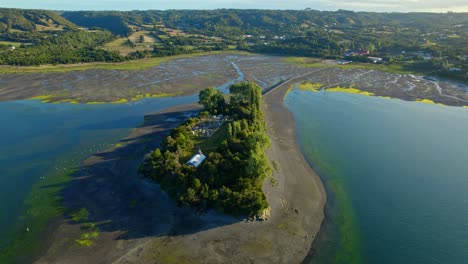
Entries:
{"x":132,"y":65}
{"x":425,"y":43}
{"x":212,"y":100}
{"x":62,"y":48}
{"x":230,"y":179}
{"x":81,"y":215}
{"x":44,"y":203}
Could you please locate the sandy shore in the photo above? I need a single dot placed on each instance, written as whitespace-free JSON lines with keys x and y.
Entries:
{"x":138,"y":223}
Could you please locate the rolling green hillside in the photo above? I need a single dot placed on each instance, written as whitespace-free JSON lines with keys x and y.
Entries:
{"x":32,"y":20}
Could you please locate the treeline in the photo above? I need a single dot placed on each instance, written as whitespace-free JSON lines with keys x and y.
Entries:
{"x":62,"y":48}
{"x":230,"y":179}
{"x":288,"y":32}
{"x":109,"y":20}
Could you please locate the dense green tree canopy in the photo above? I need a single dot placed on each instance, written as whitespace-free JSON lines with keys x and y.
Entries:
{"x":212,"y":100}
{"x":230,"y":179}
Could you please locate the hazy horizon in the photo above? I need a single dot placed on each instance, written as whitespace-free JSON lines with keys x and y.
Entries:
{"x":322,"y":5}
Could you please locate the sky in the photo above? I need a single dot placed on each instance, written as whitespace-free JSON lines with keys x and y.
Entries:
{"x":360,"y":5}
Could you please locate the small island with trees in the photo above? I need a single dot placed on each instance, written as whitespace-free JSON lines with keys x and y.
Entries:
{"x":234,"y":164}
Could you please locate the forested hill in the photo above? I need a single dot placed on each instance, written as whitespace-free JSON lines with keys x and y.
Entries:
{"x":426,"y":42}
{"x":116,"y":22}
{"x":32,"y":20}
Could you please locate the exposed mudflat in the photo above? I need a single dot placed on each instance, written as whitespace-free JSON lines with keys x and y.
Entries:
{"x":190,"y":75}
{"x":138,"y":223}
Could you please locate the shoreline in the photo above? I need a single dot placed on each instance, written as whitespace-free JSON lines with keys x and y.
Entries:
{"x":155,"y":229}
{"x":279,"y":111}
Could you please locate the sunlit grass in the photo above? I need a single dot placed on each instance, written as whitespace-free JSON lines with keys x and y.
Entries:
{"x":128,"y":65}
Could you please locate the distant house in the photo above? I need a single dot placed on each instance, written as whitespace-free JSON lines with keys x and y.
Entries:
{"x":196,"y":160}
{"x":363,"y":52}
{"x":12,"y":48}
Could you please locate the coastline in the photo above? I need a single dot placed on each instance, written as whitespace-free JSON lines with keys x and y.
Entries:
{"x":283,"y":135}
{"x":137,"y":222}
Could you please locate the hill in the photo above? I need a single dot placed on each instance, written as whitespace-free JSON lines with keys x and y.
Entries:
{"x":32,"y":20}
{"x":421,"y":42}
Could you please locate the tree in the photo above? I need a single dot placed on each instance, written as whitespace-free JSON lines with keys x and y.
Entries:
{"x":142,"y":38}
{"x":212,"y":100}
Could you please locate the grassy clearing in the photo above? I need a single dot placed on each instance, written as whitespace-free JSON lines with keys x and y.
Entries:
{"x":9,"y":43}
{"x":123,"y":46}
{"x":208,"y":145}
{"x":135,"y":37}
{"x":133,"y":65}
{"x":317,"y":63}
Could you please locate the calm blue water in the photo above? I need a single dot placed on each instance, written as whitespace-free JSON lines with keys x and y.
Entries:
{"x":396,"y":173}
{"x":39,"y":138}
{"x":34,"y":136}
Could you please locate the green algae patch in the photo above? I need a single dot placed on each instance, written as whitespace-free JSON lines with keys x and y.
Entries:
{"x":54,"y":99}
{"x":91,"y":231}
{"x":149,"y":95}
{"x":44,"y":204}
{"x":51,"y":98}
{"x":309,"y":86}
{"x":81,"y":215}
{"x":88,"y":238}
{"x":120,"y":101}
{"x":288,"y":91}
{"x":41,"y":97}
{"x":425,"y":101}
{"x":347,"y":244}
{"x":350,"y":89}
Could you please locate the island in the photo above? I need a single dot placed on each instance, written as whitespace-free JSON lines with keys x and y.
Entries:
{"x":217,"y":159}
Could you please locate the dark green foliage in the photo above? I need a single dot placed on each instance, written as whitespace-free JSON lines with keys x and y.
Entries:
{"x":212,"y":100}
{"x":26,"y":20}
{"x":62,"y":48}
{"x":230,"y":179}
{"x":311,"y":33}
{"x":110,"y":20}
